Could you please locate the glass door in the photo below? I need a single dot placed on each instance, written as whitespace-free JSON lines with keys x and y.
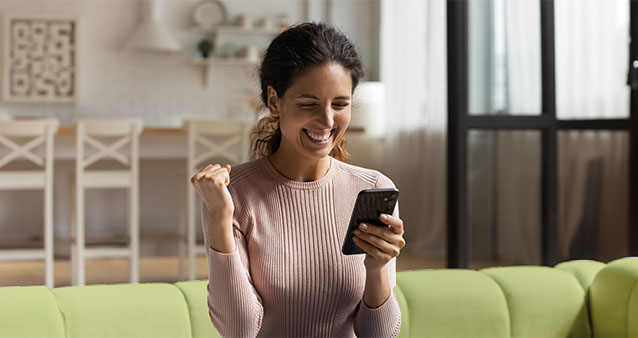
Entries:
{"x":539,"y":132}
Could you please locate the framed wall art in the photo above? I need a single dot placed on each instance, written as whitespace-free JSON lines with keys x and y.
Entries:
{"x":40,"y":59}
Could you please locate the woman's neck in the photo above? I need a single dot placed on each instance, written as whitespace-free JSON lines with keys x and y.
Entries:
{"x":299,"y":169}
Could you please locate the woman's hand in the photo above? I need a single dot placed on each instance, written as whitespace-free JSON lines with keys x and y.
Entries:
{"x":380,"y":244}
{"x":211,"y":183}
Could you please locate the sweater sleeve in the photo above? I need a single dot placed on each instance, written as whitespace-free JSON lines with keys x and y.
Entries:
{"x":385,"y":320}
{"x":234,"y":305}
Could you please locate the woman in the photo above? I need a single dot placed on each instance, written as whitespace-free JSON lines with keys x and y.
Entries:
{"x":274,"y":226}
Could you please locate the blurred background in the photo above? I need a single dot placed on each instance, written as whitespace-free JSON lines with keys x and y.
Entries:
{"x":473,"y":97}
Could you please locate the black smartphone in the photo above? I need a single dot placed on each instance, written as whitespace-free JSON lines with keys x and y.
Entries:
{"x":370,"y":204}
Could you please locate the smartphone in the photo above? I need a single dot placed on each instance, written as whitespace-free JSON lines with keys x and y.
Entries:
{"x":370,"y":204}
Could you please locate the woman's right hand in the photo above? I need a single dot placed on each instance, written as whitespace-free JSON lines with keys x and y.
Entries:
{"x":211,"y":183}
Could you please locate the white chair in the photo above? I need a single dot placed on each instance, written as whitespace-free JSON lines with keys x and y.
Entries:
{"x":207,"y":140}
{"x":98,"y":134}
{"x":38,"y":132}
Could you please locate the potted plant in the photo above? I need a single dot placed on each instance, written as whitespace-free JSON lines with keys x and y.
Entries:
{"x":205,"y":47}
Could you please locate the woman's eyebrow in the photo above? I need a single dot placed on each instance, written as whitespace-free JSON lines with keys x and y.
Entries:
{"x":308,"y":96}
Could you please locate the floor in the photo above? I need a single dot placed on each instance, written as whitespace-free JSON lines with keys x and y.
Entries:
{"x":152,"y":269}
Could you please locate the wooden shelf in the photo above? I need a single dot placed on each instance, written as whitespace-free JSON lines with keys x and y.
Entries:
{"x":229,"y":61}
{"x":207,"y":63}
{"x":234,"y":29}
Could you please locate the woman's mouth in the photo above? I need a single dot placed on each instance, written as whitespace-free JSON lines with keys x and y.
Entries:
{"x":318,"y":138}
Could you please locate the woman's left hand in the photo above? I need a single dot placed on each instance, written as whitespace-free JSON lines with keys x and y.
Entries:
{"x":381,"y":244}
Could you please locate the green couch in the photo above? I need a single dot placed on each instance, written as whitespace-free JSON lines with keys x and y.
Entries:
{"x":573,"y":299}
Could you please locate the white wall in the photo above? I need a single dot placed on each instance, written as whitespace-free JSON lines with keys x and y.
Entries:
{"x":161,"y":89}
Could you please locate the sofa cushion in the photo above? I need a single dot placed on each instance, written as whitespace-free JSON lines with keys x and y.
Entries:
{"x":614,"y":299}
{"x":405,"y":315}
{"x":196,"y":295}
{"x":542,"y":301}
{"x":453,"y":303}
{"x":29,"y":311}
{"x":584,"y":270}
{"x":124,"y":310}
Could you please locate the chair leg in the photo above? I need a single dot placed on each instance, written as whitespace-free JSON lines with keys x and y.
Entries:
{"x":134,"y":237}
{"x":181,"y":231}
{"x":74,"y":262}
{"x":48,"y":238}
{"x":74,"y":236}
{"x":80,"y":274}
{"x":181,"y":257}
{"x":181,"y":242}
{"x":190,"y":232}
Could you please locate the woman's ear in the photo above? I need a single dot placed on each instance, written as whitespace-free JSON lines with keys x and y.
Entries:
{"x":273,"y":101}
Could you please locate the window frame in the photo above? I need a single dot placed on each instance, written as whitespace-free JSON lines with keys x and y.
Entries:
{"x":460,"y":123}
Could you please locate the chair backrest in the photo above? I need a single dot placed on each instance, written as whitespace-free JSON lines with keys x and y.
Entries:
{"x":92,"y":133}
{"x":218,"y":139}
{"x":37,"y":132}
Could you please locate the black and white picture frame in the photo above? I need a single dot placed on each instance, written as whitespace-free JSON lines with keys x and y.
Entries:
{"x":40,"y":59}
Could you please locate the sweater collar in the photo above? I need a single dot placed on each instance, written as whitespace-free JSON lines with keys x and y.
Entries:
{"x":296,"y":184}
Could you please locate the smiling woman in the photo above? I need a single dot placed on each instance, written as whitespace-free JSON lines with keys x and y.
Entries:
{"x":274,"y":227}
{"x":282,"y":63}
{"x":313,"y":116}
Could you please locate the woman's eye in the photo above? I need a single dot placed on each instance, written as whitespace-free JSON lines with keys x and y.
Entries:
{"x":307,"y":105}
{"x":340,"y":105}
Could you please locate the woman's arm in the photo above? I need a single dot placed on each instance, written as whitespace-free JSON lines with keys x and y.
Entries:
{"x":377,"y":289}
{"x":218,"y":207}
{"x":381,"y":321}
{"x":234,"y":306}
{"x":381,"y":245}
{"x":379,"y":313}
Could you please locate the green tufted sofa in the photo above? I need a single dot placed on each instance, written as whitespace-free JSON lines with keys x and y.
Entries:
{"x":573,"y":299}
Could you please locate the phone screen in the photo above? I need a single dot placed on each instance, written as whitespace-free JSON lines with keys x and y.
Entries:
{"x":370,"y":204}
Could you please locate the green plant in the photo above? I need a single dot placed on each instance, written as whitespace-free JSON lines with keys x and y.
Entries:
{"x":205,"y":47}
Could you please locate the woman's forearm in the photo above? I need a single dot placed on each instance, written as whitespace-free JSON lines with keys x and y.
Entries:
{"x":220,"y":232}
{"x":377,"y":289}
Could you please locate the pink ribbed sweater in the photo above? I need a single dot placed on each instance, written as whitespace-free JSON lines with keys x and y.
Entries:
{"x":288,"y":277}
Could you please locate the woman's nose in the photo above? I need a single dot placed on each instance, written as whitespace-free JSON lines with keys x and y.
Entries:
{"x":327,"y":117}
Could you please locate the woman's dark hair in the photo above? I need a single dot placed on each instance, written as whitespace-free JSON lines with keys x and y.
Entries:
{"x":292,"y":52}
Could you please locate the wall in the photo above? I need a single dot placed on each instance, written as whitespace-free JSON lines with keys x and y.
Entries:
{"x":159,"y":87}
{"x":162,"y":89}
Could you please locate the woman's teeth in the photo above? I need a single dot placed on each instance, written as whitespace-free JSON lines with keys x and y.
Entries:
{"x":318,"y":138}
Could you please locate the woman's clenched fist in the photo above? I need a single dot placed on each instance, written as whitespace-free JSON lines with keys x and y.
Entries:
{"x":211,"y":183}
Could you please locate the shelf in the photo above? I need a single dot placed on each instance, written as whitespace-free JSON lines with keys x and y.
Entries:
{"x":218,"y":61}
{"x":230,"y":29}
{"x":207,"y":63}
{"x":227,"y":61}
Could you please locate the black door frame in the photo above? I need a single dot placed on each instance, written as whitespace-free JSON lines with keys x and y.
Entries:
{"x":460,"y":123}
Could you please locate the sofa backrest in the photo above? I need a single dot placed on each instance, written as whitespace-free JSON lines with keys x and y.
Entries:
{"x":124,"y":310}
{"x":451,"y":303}
{"x":613,"y":299}
{"x":29,"y":311}
{"x":196,"y":295}
{"x":521,"y":301}
{"x":543,"y":301}
{"x":525,"y":301}
{"x":584,"y":270}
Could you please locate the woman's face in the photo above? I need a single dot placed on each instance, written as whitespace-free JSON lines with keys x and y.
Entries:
{"x":315,"y":110}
